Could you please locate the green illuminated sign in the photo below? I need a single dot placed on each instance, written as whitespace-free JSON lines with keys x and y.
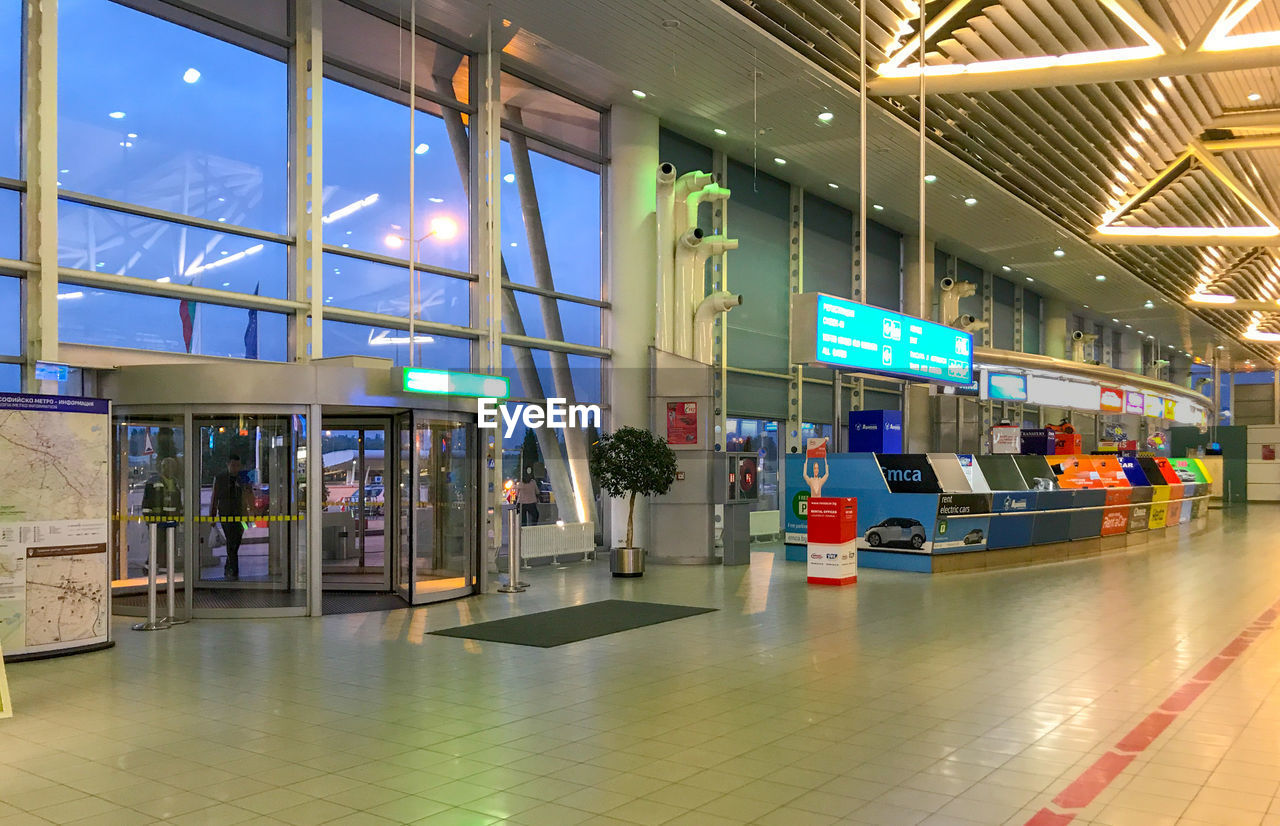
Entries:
{"x":446,"y":383}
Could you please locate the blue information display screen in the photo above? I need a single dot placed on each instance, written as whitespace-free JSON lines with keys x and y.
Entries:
{"x":870,"y":339}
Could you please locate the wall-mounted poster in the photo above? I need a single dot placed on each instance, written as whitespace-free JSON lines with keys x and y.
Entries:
{"x":682,"y":423}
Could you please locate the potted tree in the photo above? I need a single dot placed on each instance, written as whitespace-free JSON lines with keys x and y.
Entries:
{"x":628,"y":463}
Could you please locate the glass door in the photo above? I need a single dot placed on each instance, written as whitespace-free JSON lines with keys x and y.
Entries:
{"x":445,"y":526}
{"x":249,"y":527}
{"x":149,"y":481}
{"x":358,"y":518}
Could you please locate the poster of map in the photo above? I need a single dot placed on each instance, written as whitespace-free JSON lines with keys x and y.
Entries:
{"x":54,"y":522}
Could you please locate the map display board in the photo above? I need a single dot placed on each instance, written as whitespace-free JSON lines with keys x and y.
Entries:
{"x":54,"y":523}
{"x":847,"y":335}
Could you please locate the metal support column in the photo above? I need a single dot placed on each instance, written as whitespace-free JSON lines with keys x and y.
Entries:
{"x":307,"y":189}
{"x":792,"y":441}
{"x":486,"y":305}
{"x":40,"y":206}
{"x":988,"y":306}
{"x":1018,"y":322}
{"x":720,"y":336}
{"x":314,"y":512}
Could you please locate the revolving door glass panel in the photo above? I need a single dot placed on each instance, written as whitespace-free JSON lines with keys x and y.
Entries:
{"x":445,"y":524}
{"x":150,"y":474}
{"x":250,"y":529}
{"x":357,"y":515}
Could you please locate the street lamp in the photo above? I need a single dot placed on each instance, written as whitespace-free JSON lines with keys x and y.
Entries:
{"x":443,"y":227}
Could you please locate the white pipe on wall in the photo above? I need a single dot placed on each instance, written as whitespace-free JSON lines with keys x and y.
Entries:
{"x":685,"y":185}
{"x":711,"y":192}
{"x":715,"y":245}
{"x":687,"y":263}
{"x":666,"y":257}
{"x":704,"y":322}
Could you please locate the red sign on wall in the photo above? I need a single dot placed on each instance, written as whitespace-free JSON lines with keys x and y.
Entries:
{"x":682,"y":423}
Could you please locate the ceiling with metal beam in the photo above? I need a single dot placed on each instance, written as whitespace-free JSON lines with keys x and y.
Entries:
{"x":1045,"y":166}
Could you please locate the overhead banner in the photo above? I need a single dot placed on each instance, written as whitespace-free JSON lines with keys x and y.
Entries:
{"x":1111,"y":400}
{"x":1133,"y":403}
{"x":847,"y":335}
{"x":1153,"y":406}
{"x":54,"y":517}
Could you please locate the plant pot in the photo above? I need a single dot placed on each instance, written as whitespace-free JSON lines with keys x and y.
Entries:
{"x":627,"y":562}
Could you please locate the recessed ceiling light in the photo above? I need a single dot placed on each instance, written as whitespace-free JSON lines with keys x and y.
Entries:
{"x":510,"y":177}
{"x":1115,"y":321}
{"x":432,"y":200}
{"x":1254,"y":97}
{"x":1086,"y":306}
{"x":115,"y":115}
{"x":1221,"y":347}
{"x":1099,"y":278}
{"x":970,"y":201}
{"x":720,"y":132}
{"x":421,"y":149}
{"x":1171,"y":347}
{"x":1149,"y":305}
{"x":930,"y":178}
{"x":1007,"y":268}
{"x":780,"y":161}
{"x":1029,"y":278}
{"x":191,"y":75}
{"x":833,"y":185}
{"x":1059,"y":252}
{"x":826,"y":117}
{"x":639,"y":94}
{"x":877,"y":207}
{"x":1128,"y":326}
{"x":1142,"y":332}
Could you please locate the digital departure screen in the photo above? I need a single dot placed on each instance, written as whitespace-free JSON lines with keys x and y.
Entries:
{"x":866,"y":339}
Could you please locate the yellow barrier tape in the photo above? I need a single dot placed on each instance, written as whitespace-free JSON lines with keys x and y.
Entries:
{"x":179,"y":518}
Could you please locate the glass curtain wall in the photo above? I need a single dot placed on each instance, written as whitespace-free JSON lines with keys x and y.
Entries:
{"x":11,"y":173}
{"x":374,"y":227}
{"x":173,"y":169}
{"x":551,"y":165}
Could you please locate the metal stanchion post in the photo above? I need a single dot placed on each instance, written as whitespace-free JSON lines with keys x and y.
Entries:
{"x":171,"y":541}
{"x":152,"y":624}
{"x":514,"y":585}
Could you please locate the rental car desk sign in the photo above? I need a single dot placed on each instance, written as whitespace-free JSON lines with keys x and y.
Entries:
{"x":847,"y":335}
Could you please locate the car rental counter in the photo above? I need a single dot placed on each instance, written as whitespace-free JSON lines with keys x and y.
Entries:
{"x":943,"y":511}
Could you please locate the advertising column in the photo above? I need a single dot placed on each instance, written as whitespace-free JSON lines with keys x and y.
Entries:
{"x":833,"y":534}
{"x":54,"y":512}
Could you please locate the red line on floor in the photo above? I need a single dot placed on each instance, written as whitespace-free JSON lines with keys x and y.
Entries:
{"x":1085,"y":789}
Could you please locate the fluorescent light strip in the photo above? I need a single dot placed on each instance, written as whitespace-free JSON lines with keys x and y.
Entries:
{"x":1212,"y":298}
{"x":1190,"y":232}
{"x":222,"y":262}
{"x":354,"y":206}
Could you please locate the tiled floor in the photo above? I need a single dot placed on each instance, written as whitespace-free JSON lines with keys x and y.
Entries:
{"x":961,"y":699}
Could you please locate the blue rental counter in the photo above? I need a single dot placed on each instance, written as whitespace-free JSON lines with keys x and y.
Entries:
{"x":922,"y":512}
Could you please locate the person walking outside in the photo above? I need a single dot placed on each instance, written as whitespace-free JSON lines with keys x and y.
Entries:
{"x":230,"y":501}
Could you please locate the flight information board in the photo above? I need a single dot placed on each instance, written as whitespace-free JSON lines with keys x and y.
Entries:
{"x":837,"y":332}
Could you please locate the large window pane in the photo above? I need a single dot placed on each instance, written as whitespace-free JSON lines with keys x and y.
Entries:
{"x":442,"y":352}
{"x":549,"y":114}
{"x":10,"y":378}
{"x":10,"y":221}
{"x":568,"y":207}
{"x":381,"y":288}
{"x":155,"y":114}
{"x":366,"y":177}
{"x":381,"y":49}
{"x":580,"y":323}
{"x":116,"y":319}
{"x":103,"y":240}
{"x":10,"y":88}
{"x":584,"y":374}
{"x":10,"y":317}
